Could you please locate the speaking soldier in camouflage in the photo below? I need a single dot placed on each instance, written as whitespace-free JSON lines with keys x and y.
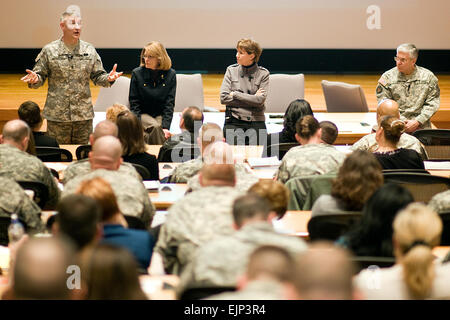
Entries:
{"x":69,"y":63}
{"x":415,"y":89}
{"x":13,"y":199}
{"x":441,"y":202}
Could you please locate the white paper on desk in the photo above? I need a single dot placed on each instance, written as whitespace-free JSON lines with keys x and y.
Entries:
{"x":151,"y":184}
{"x":437,"y":165}
{"x":263,"y":162}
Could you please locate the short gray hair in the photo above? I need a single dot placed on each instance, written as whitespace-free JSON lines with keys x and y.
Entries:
{"x":409,"y":48}
{"x":72,"y":10}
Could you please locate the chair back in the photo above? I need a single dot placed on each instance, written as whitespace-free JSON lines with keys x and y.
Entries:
{"x":189,"y":92}
{"x":280,"y":149}
{"x":436,"y":143}
{"x":344,"y":97}
{"x":143,"y":171}
{"x":422,"y":186}
{"x":39,"y":189}
{"x":331,"y":227}
{"x":445,"y":237}
{"x":53,"y":154}
{"x":82,"y":152}
{"x":182,"y":152}
{"x":283,"y":89}
{"x":4,"y":225}
{"x":117,"y":93}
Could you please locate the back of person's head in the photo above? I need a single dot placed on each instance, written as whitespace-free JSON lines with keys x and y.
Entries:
{"x":157,"y":50}
{"x":131,"y":133}
{"x":106,"y":153}
{"x":251,"y":47}
{"x":15,"y":131}
{"x":209,"y":133}
{"x":297,"y":109}
{"x":324,"y":272}
{"x":306,"y":127}
{"x":40,"y":269}
{"x":78,"y":218}
{"x":30,"y":113}
{"x":217,"y":175}
{"x":275,"y":193}
{"x":271,"y":263}
{"x":218,"y":152}
{"x":112,"y":274}
{"x":193,"y":119}
{"x":387,"y":107}
{"x":358,"y":178}
{"x":375,"y":227}
{"x":250,"y":207}
{"x":392,"y":128}
{"x":329,"y":131}
{"x":417,"y":229}
{"x":105,"y":128}
{"x":101,"y":191}
{"x":114,"y":110}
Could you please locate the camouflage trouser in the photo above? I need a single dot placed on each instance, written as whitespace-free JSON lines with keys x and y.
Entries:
{"x":153,"y":132}
{"x":76,"y":132}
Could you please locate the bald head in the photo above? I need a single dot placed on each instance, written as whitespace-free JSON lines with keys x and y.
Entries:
{"x":104,"y":128}
{"x":16,"y":133}
{"x":324,"y":272}
{"x":40,"y":269}
{"x":387,"y":107}
{"x":106,"y":153}
{"x":217,"y":175}
{"x":192,"y":119}
{"x":271,"y":262}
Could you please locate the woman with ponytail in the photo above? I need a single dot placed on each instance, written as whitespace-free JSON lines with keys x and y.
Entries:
{"x":390,"y":157}
{"x":416,"y":274}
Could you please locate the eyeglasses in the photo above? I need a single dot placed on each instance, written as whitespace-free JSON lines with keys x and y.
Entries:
{"x":147,"y":57}
{"x":402,"y":60}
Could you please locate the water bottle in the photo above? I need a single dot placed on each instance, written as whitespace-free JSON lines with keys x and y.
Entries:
{"x":15,"y":229}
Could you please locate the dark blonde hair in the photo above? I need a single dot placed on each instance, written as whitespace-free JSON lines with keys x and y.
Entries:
{"x":275,"y":193}
{"x":417,"y":229}
{"x":131,"y":133}
{"x":157,"y":50}
{"x":251,"y":47}
{"x":359,"y":177}
{"x":392,"y":128}
{"x":307,"y":126}
{"x":114,"y":110}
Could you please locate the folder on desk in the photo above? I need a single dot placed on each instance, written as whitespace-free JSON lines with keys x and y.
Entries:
{"x":151,"y":185}
{"x":263,"y":162}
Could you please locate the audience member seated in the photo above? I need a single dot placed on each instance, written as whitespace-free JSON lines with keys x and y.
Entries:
{"x":388,"y":153}
{"x":221,"y":261}
{"x":18,"y":165}
{"x":139,"y":242}
{"x":358,"y":178}
{"x":297,"y":109}
{"x":131,"y":135}
{"x":275,"y":193}
{"x":114,"y":110}
{"x":440,"y":202}
{"x":373,"y":235}
{"x":329,"y":132}
{"x":105,"y":160}
{"x":111,"y":274}
{"x":198,"y":217}
{"x":190,"y":122}
{"x":324,"y":272}
{"x":208,"y":133}
{"x":221,"y":152}
{"x":13,"y":199}
{"x":269,"y":276}
{"x":313,"y":156}
{"x":81,"y":167}
{"x":30,"y":112}
{"x":387,"y":107}
{"x":416,"y":274}
{"x":40,"y":270}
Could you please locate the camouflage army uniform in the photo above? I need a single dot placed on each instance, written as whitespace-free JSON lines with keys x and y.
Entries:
{"x":255,"y":290}
{"x":244,"y":179}
{"x":186,"y":170}
{"x":221,"y":261}
{"x":441,"y":202}
{"x":82,"y":167}
{"x":69,"y":95}
{"x":194,"y":220}
{"x":417,"y":94}
{"x":132,"y":197}
{"x":406,"y":141}
{"x":21,"y":166}
{"x":13,"y":199}
{"x":309,"y":160}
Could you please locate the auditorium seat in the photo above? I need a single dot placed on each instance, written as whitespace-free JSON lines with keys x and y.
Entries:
{"x":344,"y":97}
{"x":117,"y":93}
{"x":283,"y":89}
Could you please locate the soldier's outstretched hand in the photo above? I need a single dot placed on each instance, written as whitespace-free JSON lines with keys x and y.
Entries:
{"x":31,"y":77}
{"x":113,"y":75}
